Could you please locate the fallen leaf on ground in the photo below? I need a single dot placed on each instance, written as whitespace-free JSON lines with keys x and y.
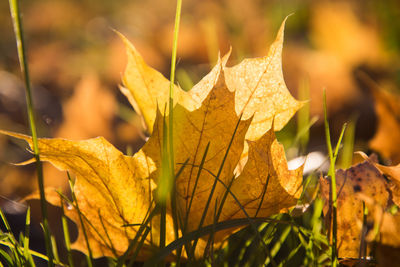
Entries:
{"x":114,"y":190}
{"x":260,"y":90}
{"x":387,"y":137}
{"x":392,"y":173}
{"x":362,"y":178}
{"x":384,"y":232}
{"x":89,"y":112}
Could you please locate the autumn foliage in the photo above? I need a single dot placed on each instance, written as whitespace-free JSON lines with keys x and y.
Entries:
{"x":230,"y":113}
{"x":226,"y":160}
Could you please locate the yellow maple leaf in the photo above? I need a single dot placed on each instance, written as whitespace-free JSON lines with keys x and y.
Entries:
{"x":146,"y":88}
{"x":115,"y":192}
{"x":261,"y":90}
{"x":112,"y":190}
{"x":258,"y":83}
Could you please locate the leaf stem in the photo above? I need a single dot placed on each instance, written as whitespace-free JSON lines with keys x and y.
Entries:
{"x":17,"y":23}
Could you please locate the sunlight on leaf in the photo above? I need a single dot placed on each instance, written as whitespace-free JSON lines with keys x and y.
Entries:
{"x":228,"y":106}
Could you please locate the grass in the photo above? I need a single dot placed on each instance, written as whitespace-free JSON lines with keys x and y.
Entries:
{"x":18,"y":29}
{"x":280,"y":240}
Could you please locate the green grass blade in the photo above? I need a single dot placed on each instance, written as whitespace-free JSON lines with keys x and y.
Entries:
{"x":203,"y":231}
{"x":166,"y":182}
{"x":203,"y":159}
{"x":250,"y":220}
{"x":6,"y":257}
{"x":54,"y":246}
{"x":203,"y":216}
{"x":331,"y":173}
{"x":348,"y":144}
{"x":67,"y":240}
{"x":88,"y":257}
{"x":17,"y":23}
{"x":5,"y":221}
{"x":262,"y":196}
{"x":139,"y":246}
{"x":11,"y":245}
{"x":303,"y":116}
{"x":133,"y":244}
{"x":27,"y":254}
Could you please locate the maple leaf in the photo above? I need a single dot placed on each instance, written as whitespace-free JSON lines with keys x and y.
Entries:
{"x":261,"y":92}
{"x":115,"y":192}
{"x":266,"y":186}
{"x":146,"y":88}
{"x":112,"y":190}
{"x":362,"y":178}
{"x":193,"y":131}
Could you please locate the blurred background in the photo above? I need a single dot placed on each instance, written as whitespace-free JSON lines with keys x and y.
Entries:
{"x":350,"y":48}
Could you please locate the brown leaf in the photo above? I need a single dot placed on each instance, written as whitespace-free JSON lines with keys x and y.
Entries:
{"x":391,"y":172}
{"x":384,"y":232}
{"x":387,"y":137}
{"x":362,"y":178}
{"x":89,"y":112}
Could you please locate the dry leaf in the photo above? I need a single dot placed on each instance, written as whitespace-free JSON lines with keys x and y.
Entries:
{"x":192,"y":132}
{"x":260,"y":90}
{"x":392,"y":173}
{"x":114,"y":190}
{"x":362,"y":178}
{"x":146,"y":88}
{"x":89,"y":112}
{"x":266,"y":186}
{"x":387,"y":137}
{"x":384,"y":233}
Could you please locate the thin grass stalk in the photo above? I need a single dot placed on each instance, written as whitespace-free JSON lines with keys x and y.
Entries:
{"x":6,"y":258}
{"x":218,"y":212}
{"x":55,"y":251}
{"x":203,"y":231}
{"x":250,"y":220}
{"x":11,"y":237}
{"x":27,"y":255}
{"x":11,"y":246}
{"x":331,"y":173}
{"x":88,"y":257}
{"x":175,"y":214}
{"x":203,"y":216}
{"x":262,"y":196}
{"x":139,"y":246}
{"x":17,"y":23}
{"x":67,"y":240}
{"x":303,"y":116}
{"x":111,"y":245}
{"x":203,"y":159}
{"x":143,"y":226}
{"x":348,"y":144}
{"x":171,"y":113}
{"x":165,"y":184}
